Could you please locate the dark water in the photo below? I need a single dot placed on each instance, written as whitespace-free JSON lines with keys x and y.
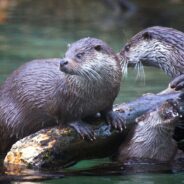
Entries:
{"x":138,"y":179}
{"x":43,"y":28}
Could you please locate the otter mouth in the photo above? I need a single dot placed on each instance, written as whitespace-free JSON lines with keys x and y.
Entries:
{"x":142,"y":61}
{"x":66,"y":70}
{"x":137,"y":65}
{"x":87,"y":73}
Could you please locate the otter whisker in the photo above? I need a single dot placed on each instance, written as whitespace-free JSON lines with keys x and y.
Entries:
{"x":124,"y":68}
{"x":96,"y":74}
{"x":92,"y":73}
{"x":140,"y":71}
{"x":82,"y":73}
{"x":88,"y":75}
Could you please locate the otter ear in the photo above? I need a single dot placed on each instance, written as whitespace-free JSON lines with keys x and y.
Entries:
{"x":147,"y":35}
{"x":98,"y":47}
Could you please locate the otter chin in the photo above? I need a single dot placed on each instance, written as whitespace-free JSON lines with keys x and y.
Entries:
{"x":49,"y":92}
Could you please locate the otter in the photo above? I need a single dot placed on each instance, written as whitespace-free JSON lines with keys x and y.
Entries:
{"x":152,"y":136}
{"x":157,"y":46}
{"x":49,"y":92}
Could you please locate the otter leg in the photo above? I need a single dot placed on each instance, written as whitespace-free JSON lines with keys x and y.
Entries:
{"x":84,"y":130}
{"x":178,"y":83}
{"x":115,"y":119}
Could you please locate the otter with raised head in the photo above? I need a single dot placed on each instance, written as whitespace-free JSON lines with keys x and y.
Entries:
{"x":152,"y":136}
{"x":160,"y":47}
{"x":47,"y":92}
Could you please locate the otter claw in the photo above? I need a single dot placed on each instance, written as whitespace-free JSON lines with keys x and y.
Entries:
{"x":115,"y":120}
{"x":178,"y":83}
{"x":84,"y":130}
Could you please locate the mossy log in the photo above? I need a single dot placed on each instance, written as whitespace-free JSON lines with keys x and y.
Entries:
{"x":63,"y":147}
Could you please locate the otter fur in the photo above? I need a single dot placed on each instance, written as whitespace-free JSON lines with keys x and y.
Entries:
{"x":157,"y":46}
{"x":152,"y":136}
{"x":49,"y":92}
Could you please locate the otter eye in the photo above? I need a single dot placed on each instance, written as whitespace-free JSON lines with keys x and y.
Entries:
{"x":79,"y":55}
{"x":127,"y":48}
{"x":98,"y":48}
{"x":147,"y":35}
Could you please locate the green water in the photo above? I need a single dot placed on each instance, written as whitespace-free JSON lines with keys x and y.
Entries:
{"x":42,"y":29}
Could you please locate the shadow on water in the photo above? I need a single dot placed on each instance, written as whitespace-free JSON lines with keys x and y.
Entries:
{"x":132,"y":168}
{"x":42,"y":29}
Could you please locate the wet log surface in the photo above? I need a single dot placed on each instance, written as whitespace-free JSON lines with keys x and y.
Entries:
{"x":56,"y":147}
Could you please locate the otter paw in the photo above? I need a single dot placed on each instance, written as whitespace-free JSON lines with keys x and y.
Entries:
{"x":115,"y":120}
{"x":84,"y":130}
{"x":178,"y":83}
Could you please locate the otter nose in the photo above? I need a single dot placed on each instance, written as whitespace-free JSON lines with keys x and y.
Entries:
{"x":63,"y":63}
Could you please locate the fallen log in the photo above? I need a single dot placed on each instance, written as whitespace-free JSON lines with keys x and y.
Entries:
{"x":63,"y":147}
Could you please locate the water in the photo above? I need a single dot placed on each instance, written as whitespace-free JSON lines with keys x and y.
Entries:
{"x":42,"y":29}
{"x":132,"y":179}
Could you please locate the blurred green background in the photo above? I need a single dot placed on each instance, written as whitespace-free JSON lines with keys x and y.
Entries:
{"x":32,"y":29}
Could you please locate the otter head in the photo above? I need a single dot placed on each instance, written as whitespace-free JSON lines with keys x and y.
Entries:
{"x":139,"y":49}
{"x":169,"y":112}
{"x":149,"y":47}
{"x":163,"y":118}
{"x":90,"y":58}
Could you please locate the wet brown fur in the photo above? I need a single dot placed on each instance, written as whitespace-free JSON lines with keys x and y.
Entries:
{"x":38,"y":95}
{"x":152,"y":137}
{"x":167,"y":51}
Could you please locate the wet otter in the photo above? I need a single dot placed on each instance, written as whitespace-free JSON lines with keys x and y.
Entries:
{"x":151,"y":137}
{"x":47,"y":92}
{"x":160,"y":47}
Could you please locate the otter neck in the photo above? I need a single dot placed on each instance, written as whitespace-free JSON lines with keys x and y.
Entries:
{"x":150,"y":127}
{"x":165,"y":57}
{"x":166,"y":64}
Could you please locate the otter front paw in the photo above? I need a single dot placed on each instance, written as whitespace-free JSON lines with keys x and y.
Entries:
{"x":115,"y":120}
{"x":178,"y":83}
{"x":84,"y":130}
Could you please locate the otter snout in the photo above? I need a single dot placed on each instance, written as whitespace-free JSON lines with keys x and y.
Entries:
{"x":63,"y":62}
